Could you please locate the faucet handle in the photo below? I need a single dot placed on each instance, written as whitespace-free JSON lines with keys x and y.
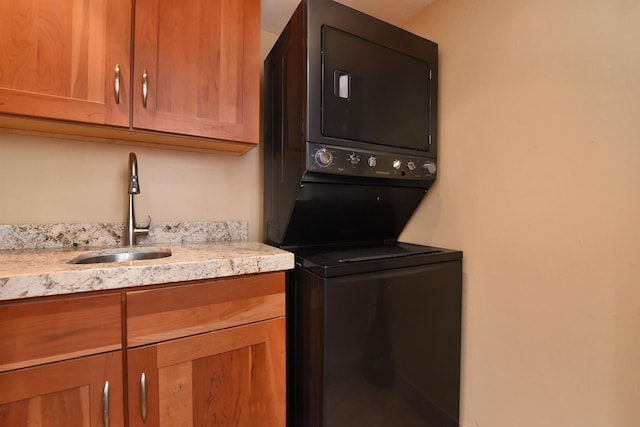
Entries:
{"x":143,"y":228}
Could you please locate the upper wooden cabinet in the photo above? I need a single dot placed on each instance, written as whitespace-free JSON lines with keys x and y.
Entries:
{"x":58,"y":59}
{"x":200,"y":60}
{"x":194,"y":82}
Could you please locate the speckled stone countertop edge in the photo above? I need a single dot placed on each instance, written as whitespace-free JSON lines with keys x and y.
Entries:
{"x":46,"y":272}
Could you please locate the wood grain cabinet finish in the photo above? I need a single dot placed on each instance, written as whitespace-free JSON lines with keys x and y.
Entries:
{"x":69,"y":393}
{"x":212,"y":354}
{"x":202,"y":68}
{"x":56,"y":356}
{"x":51,"y":330}
{"x":194,"y":82}
{"x":232,"y":377}
{"x":159,"y":314}
{"x":58,"y":59}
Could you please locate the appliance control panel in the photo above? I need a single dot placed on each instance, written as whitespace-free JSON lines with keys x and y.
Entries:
{"x":376,"y":164}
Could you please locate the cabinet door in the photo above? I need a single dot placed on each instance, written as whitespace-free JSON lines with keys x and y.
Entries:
{"x":201,"y":60}
{"x":58,"y":59}
{"x":70,"y":393}
{"x":233,"y":377}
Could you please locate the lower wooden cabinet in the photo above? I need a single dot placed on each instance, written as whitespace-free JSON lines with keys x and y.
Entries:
{"x":209,"y":353}
{"x":61,"y":361}
{"x":53,"y":329}
{"x":233,"y":377}
{"x":83,"y":392}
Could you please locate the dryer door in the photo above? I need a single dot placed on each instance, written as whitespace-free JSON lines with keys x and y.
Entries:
{"x":371,"y":93}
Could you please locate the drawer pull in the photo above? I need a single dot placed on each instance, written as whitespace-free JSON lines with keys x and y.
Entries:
{"x":143,"y":396}
{"x":105,"y":404}
{"x":145,"y":88}
{"x":116,"y":83}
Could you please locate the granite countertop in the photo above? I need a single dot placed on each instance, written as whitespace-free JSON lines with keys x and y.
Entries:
{"x":31,"y":272}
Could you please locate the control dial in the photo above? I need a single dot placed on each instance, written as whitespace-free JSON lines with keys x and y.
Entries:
{"x":429,"y":168}
{"x":372,"y":162}
{"x":353,"y":158}
{"x":324,"y":157}
{"x":397,"y":164}
{"x":411,"y":166}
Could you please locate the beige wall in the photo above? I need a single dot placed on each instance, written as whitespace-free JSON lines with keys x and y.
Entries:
{"x":540,"y":186}
{"x":45,"y":180}
{"x":49,"y":181}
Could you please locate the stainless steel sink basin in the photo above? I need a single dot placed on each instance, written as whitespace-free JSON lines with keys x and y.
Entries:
{"x":121,"y":255}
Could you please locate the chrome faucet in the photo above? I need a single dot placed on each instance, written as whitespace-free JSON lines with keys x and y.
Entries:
{"x":134,"y":188}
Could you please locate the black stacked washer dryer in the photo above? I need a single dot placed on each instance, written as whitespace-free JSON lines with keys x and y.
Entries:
{"x":350,"y":146}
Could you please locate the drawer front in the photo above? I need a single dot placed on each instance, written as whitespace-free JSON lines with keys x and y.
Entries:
{"x":157,"y":315}
{"x":44,"y":331}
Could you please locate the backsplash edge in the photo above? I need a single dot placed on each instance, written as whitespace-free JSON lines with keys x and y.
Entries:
{"x":50,"y":236}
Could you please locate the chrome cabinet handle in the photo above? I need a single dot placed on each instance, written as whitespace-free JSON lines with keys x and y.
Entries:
{"x":105,"y":404}
{"x":145,"y":88}
{"x":143,"y":396}
{"x":116,"y":83}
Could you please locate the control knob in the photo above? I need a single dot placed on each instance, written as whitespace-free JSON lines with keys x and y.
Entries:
{"x":429,"y":168}
{"x":324,"y":157}
{"x":353,"y":158}
{"x":397,"y":164}
{"x":372,"y":162}
{"x":411,"y":166}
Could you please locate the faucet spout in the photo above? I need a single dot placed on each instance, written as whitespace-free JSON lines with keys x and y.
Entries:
{"x":134,"y":188}
{"x":134,"y":185}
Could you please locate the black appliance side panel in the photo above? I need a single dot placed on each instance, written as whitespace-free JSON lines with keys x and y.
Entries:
{"x":342,"y":213}
{"x":304,"y":349}
{"x":392,"y":337}
{"x":284,"y":115}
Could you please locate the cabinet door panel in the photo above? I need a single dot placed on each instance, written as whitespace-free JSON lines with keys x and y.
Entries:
{"x":63,"y":408}
{"x":202,"y":62}
{"x":214,"y":375}
{"x":58,"y":59}
{"x":64,"y":393}
{"x":233,"y":377}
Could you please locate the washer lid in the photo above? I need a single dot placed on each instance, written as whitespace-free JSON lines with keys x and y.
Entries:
{"x":340,"y":261}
